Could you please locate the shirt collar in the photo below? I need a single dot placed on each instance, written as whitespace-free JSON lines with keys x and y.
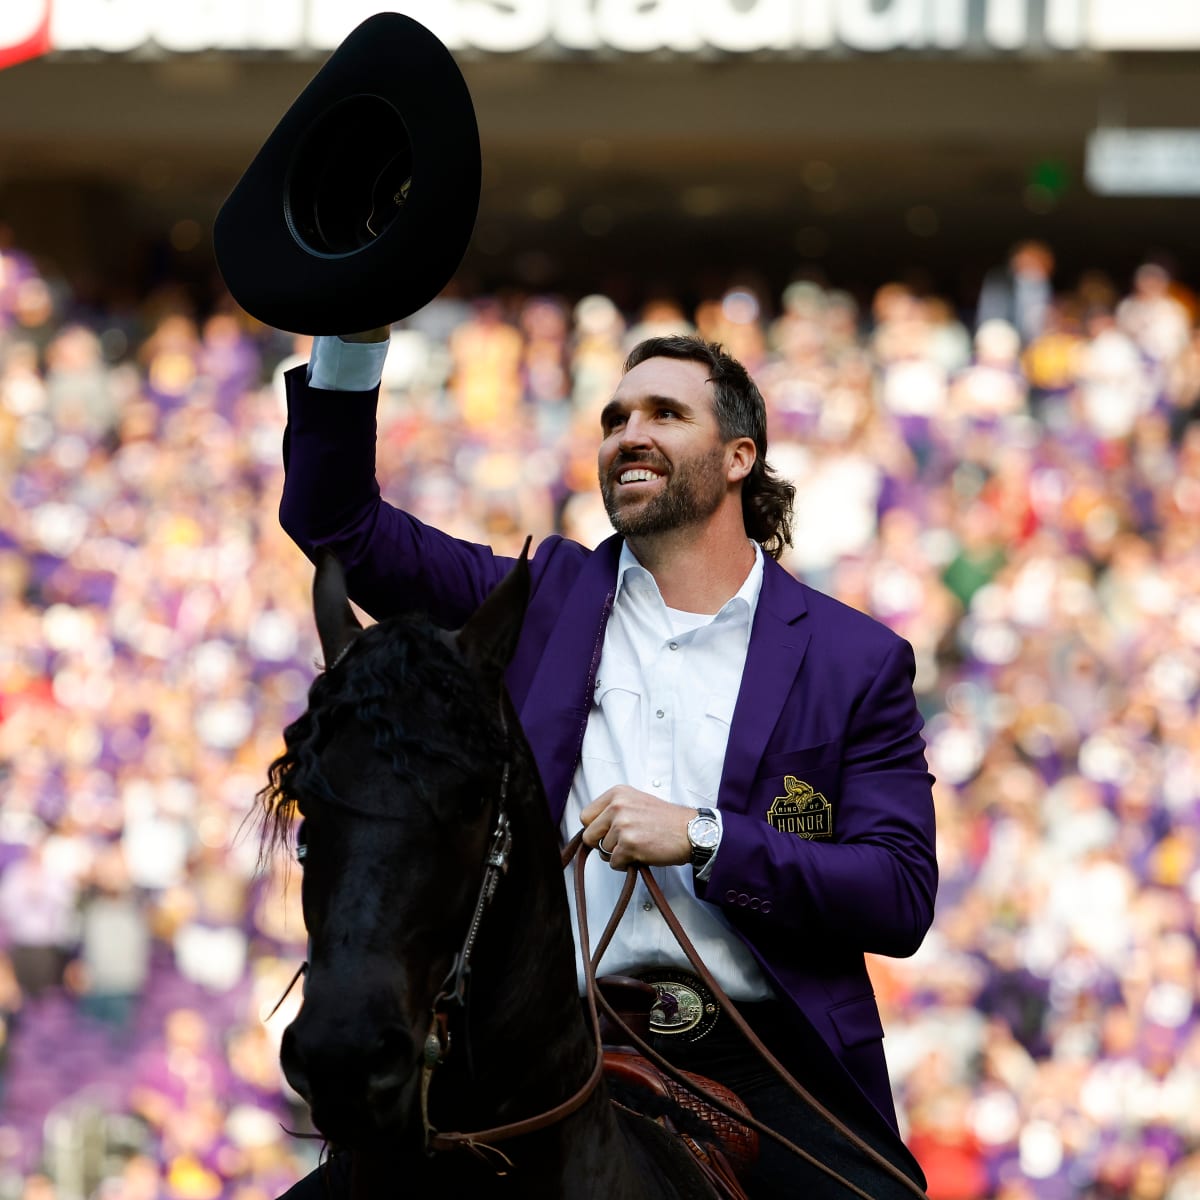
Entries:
{"x":746,"y":596}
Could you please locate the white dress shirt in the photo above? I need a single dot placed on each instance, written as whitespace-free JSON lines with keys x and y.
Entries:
{"x":659,"y":722}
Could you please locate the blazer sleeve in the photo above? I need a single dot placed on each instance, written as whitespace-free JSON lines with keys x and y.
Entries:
{"x":872,"y":889}
{"x":393,"y":562}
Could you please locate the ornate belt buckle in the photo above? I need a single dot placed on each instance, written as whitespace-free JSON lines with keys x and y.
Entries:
{"x":685,"y":1008}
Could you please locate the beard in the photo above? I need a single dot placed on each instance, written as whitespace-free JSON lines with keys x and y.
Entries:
{"x":689,"y":494}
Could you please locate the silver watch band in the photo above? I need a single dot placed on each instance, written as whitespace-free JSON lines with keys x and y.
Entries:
{"x":702,"y":854}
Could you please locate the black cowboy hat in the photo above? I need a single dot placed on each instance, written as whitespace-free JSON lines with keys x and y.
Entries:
{"x":359,"y":206}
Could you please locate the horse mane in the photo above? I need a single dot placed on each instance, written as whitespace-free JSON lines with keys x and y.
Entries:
{"x":444,"y":718}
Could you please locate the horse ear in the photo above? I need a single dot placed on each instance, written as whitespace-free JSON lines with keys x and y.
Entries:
{"x":489,"y":639}
{"x":337,"y":626}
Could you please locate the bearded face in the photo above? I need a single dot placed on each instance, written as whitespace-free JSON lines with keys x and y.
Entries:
{"x":663,"y":464}
{"x":644,"y":494}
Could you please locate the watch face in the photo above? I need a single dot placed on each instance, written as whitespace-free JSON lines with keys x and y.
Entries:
{"x":704,"y":833}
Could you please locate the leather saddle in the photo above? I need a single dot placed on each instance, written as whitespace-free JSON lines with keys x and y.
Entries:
{"x":723,"y":1147}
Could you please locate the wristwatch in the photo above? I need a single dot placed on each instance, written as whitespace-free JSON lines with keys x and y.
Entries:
{"x":704,"y":833}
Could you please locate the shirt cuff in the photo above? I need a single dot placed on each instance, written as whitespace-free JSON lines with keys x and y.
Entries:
{"x":706,"y":870}
{"x":337,"y":366}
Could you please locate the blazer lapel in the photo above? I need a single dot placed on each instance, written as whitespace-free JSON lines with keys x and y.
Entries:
{"x":777,"y":645}
{"x":559,"y":699}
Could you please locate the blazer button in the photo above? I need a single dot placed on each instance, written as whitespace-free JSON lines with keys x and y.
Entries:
{"x":755,"y":902}
{"x":766,"y":907}
{"x":743,"y":899}
{"x":731,"y":896}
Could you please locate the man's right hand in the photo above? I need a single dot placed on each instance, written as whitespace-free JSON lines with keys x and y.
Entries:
{"x":371,"y":335}
{"x":639,"y":828}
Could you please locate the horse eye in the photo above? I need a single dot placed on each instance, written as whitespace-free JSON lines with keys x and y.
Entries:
{"x":301,"y":844}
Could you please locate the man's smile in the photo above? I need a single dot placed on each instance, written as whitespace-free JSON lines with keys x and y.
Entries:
{"x":637,"y":475}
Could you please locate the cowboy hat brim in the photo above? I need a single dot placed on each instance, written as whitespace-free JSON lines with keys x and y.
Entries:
{"x":360,"y":205}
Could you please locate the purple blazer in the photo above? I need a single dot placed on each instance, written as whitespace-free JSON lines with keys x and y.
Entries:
{"x":828,"y":850}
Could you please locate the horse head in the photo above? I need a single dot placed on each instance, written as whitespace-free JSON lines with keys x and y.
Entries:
{"x":399,"y":769}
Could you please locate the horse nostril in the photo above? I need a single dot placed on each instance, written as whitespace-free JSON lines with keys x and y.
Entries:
{"x":393,"y":1051}
{"x":391,"y":1067}
{"x":384,"y":1090}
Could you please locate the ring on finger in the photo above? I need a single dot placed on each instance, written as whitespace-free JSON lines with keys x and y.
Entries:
{"x":605,"y":853}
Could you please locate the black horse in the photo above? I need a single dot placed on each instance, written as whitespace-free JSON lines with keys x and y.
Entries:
{"x":430,"y":861}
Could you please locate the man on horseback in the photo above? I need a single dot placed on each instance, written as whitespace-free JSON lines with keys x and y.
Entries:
{"x":695,"y":708}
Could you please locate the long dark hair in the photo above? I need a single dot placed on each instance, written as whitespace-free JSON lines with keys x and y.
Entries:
{"x":766,"y":499}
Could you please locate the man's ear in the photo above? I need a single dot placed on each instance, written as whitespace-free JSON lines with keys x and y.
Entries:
{"x":743,"y":456}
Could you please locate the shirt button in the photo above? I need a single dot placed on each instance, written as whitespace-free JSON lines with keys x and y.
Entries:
{"x":656,"y":783}
{"x":673,"y":645}
{"x":660,"y":714}
{"x":647,"y":907}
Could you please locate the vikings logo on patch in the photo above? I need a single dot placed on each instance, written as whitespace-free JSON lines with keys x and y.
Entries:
{"x":801,"y":811}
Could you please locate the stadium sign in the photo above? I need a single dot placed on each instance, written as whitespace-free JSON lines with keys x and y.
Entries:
{"x":1144,"y":162}
{"x":556,"y":27}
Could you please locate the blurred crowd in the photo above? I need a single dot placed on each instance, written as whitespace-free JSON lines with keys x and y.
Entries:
{"x":1015,"y":489}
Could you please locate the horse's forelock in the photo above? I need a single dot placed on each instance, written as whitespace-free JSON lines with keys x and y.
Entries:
{"x":451,"y":722}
